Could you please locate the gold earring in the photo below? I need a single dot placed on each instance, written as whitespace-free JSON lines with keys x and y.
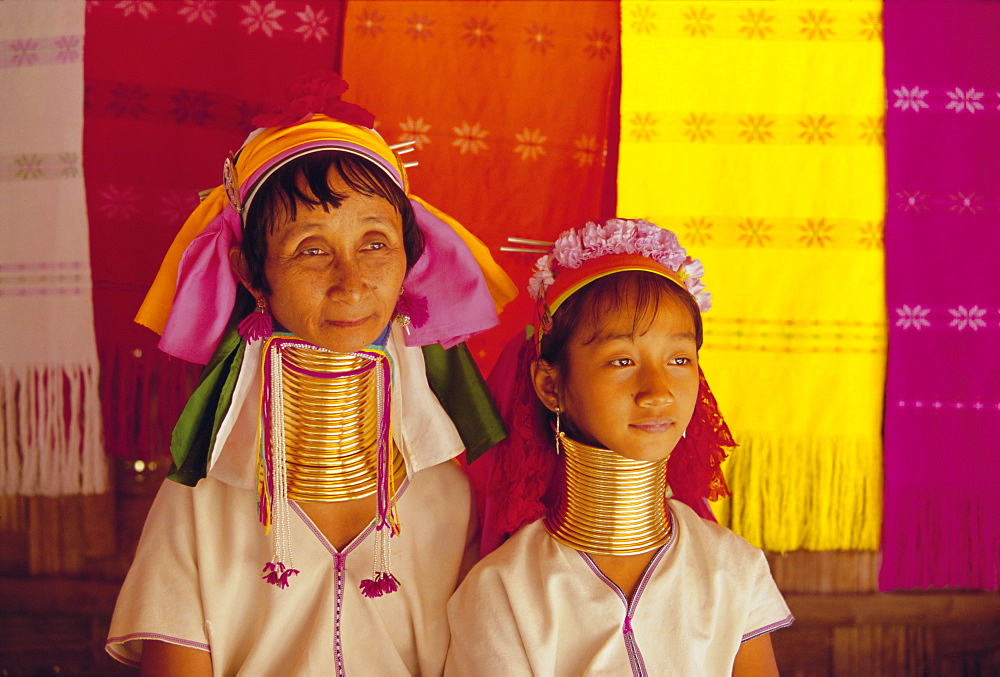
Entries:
{"x":558,"y":432}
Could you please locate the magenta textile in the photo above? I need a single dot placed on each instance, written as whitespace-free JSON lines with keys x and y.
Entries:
{"x":942,"y":422}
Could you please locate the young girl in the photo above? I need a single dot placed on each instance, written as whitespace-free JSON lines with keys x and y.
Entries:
{"x":606,"y":575}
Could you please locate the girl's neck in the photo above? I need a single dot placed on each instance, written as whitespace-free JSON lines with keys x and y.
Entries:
{"x":607,"y":504}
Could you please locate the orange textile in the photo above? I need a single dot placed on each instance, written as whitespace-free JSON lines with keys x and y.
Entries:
{"x":524,"y":159}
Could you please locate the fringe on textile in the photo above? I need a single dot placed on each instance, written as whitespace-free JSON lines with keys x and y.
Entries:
{"x":143,"y":391}
{"x":796,"y":494}
{"x":51,"y":443}
{"x":946,"y":540}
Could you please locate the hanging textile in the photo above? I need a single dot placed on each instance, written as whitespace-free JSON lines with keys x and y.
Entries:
{"x":509,"y":105}
{"x":50,"y":443}
{"x":942,"y":507}
{"x":754,"y":130}
{"x":171,"y":89}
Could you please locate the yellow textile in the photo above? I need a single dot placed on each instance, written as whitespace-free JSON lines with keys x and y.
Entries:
{"x":755,"y":131}
{"x":253,"y":155}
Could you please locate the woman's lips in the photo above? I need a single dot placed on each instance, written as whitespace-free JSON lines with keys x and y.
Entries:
{"x":653,"y":425}
{"x":346,"y":324}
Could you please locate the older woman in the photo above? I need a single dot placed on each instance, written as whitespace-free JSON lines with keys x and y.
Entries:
{"x":316,"y":524}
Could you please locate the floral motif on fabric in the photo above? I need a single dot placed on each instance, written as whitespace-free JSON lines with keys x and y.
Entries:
{"x":261,"y":16}
{"x":478,"y":32}
{"x":369,"y":23}
{"x":872,"y":235}
{"x":415,"y":131}
{"x":191,"y":106}
{"x":586,"y":150}
{"x":529,"y":144}
{"x":873,"y":130}
{"x":698,"y":127}
{"x":912,"y":98}
{"x":599,"y":44}
{"x":912,"y":318}
{"x":643,"y":19}
{"x":418,"y":27}
{"x":912,"y":201}
{"x":967,"y":100}
{"x":698,"y":21}
{"x":756,"y":24}
{"x":119,"y":202}
{"x":871,"y":26}
{"x":817,"y":25}
{"x":755,"y":232}
{"x":470,"y":138}
{"x":967,"y":318}
{"x":313,"y":24}
{"x":176,"y":205}
{"x":643,"y":126}
{"x":965,"y":203}
{"x":24,"y":52}
{"x":28,"y":166}
{"x":143,"y":8}
{"x":199,"y":10}
{"x":816,"y":233}
{"x":816,"y":128}
{"x":68,"y":47}
{"x":756,"y":128}
{"x":128,"y":100}
{"x":539,"y":37}
{"x":697,"y":230}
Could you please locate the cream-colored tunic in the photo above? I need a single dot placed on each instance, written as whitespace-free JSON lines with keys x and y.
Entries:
{"x":196,"y":578}
{"x":537,"y":607}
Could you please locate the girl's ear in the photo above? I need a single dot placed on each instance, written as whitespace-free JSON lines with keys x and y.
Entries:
{"x":239,"y":265}
{"x":545,"y":378}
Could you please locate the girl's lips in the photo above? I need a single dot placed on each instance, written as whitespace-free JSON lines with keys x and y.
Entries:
{"x":658,"y":425}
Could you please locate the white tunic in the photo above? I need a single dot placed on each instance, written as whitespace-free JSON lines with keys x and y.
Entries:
{"x":537,"y":607}
{"x":196,"y":578}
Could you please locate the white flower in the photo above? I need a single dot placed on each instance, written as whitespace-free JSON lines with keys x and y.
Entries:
{"x":915,"y":317}
{"x":968,"y":100}
{"x":196,"y":10}
{"x":313,"y":24}
{"x":470,"y":138}
{"x":967,"y":317}
{"x":529,"y":144}
{"x":910,"y":98}
{"x":263,"y":17}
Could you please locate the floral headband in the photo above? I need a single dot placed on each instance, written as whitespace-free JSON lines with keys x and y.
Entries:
{"x":582,"y":255}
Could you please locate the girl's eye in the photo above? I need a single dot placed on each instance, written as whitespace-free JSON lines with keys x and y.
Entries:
{"x":622,"y":362}
{"x":681,"y":361}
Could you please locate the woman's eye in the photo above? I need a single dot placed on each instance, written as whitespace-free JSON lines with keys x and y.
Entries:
{"x":622,"y":362}
{"x":311,"y":251}
{"x":375,"y":246}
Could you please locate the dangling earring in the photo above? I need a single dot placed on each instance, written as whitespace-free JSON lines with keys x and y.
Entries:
{"x":558,"y":432}
{"x":684,"y":433}
{"x":258,"y":324}
{"x":400,"y":316}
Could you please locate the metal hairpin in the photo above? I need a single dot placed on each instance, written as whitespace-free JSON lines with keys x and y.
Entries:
{"x":537,"y":246}
{"x":404,"y":147}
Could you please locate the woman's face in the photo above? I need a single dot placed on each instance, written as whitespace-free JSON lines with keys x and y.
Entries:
{"x":634,"y":395}
{"x":336,"y":276}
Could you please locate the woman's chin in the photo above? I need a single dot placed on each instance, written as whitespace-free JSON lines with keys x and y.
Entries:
{"x":349,"y":339}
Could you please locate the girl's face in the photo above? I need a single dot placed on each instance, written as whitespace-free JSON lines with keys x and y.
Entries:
{"x":335,"y":276}
{"x":632,"y":394}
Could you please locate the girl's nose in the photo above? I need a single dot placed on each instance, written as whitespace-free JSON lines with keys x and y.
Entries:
{"x":655,"y":387}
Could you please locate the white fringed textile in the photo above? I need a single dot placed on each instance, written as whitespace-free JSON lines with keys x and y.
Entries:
{"x":51,"y":440}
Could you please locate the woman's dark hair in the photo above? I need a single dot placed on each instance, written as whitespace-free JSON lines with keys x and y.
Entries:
{"x":641,"y":289}
{"x":283,"y":191}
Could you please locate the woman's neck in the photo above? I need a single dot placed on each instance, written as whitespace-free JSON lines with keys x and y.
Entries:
{"x":608,"y":504}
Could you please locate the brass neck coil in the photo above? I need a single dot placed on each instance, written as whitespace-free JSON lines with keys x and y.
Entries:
{"x":608,"y":504}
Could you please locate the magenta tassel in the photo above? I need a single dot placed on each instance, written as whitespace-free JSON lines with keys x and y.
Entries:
{"x":277,"y":574}
{"x":382,"y":584}
{"x":258,"y":324}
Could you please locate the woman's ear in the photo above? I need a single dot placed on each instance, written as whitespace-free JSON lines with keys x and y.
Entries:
{"x":545,"y":378}
{"x":238,"y":262}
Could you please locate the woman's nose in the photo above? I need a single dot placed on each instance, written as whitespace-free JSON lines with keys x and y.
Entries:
{"x":346,"y":280}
